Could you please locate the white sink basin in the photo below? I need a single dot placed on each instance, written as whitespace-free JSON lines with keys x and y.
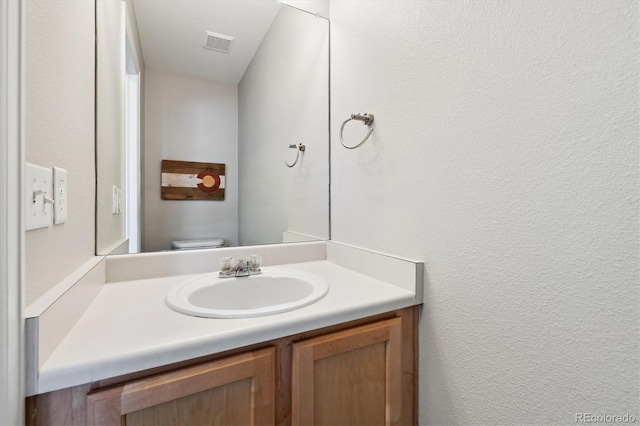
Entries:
{"x":274,"y":291}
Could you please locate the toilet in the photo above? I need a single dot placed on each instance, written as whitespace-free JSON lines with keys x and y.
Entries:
{"x":197,"y":244}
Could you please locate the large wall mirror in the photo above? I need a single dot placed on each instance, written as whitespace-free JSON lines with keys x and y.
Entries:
{"x":186,"y":86}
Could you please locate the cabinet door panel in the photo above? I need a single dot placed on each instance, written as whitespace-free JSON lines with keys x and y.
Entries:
{"x":225,"y":405}
{"x":234,"y":390}
{"x":346,"y":384}
{"x":351,"y":377}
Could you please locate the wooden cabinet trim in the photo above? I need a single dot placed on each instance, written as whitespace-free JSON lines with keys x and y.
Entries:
{"x":106,"y":406}
{"x":347,"y":340}
{"x":263,"y":387}
{"x":177,"y":384}
{"x":394,"y":373}
{"x":306,"y":353}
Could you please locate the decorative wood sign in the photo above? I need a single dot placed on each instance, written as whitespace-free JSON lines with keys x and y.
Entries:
{"x":186,"y":180}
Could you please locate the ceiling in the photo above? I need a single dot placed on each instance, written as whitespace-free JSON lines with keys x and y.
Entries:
{"x":172,"y":33}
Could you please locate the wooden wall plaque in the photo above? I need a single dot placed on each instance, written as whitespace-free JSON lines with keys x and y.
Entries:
{"x":187,"y":180}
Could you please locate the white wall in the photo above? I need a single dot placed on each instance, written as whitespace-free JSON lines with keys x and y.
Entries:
{"x":189,"y":119}
{"x":12,"y":347}
{"x":321,"y":7}
{"x":110,"y":121}
{"x":505,"y":155}
{"x":284,"y":101}
{"x":134,"y":35}
{"x":59,"y":131}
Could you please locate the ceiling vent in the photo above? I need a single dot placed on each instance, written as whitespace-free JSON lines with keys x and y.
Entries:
{"x":218,"y":42}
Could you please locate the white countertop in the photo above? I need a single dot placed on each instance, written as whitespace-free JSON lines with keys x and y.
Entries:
{"x":129,"y":327}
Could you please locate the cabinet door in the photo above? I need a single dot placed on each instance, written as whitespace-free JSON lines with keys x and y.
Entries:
{"x":351,"y":377}
{"x":238,"y":390}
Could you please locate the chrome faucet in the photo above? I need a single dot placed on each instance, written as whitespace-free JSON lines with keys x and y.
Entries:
{"x":243,"y":268}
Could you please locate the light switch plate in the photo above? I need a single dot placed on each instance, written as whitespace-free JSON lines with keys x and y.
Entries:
{"x":116,"y":205}
{"x":60,"y":195}
{"x":114,"y":200}
{"x":38,"y":189}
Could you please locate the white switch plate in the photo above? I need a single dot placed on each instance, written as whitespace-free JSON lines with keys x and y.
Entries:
{"x":120,"y":201}
{"x":114,"y":200}
{"x":60,"y":195}
{"x":38,"y":188}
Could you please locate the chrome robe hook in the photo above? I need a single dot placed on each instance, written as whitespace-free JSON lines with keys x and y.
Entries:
{"x":367,"y":119}
{"x":300,"y":147}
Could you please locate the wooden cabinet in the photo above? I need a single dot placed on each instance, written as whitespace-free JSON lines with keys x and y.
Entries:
{"x":359,"y":373}
{"x":351,"y":377}
{"x":238,"y":390}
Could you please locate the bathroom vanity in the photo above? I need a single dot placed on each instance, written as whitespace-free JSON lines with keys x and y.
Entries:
{"x":361,"y":371}
{"x":348,"y":358}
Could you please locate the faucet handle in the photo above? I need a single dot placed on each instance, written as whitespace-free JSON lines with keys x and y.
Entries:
{"x":254,"y":262}
{"x":227,"y":268}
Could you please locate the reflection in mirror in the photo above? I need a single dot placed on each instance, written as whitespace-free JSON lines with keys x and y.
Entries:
{"x":161,"y":95}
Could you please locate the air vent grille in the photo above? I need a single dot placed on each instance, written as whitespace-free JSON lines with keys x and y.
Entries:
{"x":218,"y":42}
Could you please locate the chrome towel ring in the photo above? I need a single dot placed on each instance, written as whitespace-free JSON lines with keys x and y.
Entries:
{"x":300,"y":147}
{"x":367,"y":119}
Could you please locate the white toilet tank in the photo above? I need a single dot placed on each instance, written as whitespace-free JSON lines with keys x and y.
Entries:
{"x":197,"y":244}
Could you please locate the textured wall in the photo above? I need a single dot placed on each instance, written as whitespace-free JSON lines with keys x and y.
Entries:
{"x":189,"y":119}
{"x":505,"y":155}
{"x":283,"y":100}
{"x":59,"y":131}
